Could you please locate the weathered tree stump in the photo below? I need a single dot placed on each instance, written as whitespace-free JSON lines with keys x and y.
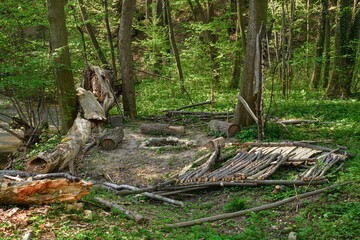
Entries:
{"x":229,"y":129}
{"x":111,"y":139}
{"x":162,"y":129}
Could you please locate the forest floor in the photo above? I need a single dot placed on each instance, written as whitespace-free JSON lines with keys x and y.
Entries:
{"x":135,"y":164}
{"x":331,"y":215}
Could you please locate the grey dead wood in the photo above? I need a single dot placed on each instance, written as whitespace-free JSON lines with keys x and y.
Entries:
{"x":255,"y":209}
{"x":129,"y":214}
{"x":147,"y":194}
{"x":229,"y":129}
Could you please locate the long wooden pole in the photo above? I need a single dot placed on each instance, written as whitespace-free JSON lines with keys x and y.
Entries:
{"x":255,"y":209}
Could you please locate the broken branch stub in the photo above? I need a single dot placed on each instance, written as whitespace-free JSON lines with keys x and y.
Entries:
{"x":91,"y":107}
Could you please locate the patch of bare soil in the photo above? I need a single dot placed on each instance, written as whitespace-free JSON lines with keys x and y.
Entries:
{"x":132,"y":163}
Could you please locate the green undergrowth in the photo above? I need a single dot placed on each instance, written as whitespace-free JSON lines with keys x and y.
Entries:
{"x":331,"y":215}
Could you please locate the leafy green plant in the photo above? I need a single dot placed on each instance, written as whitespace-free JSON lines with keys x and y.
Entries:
{"x":236,"y":204}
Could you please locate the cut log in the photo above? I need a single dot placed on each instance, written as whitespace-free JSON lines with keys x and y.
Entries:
{"x":162,"y":129}
{"x":91,"y":107}
{"x":217,"y":141}
{"x":43,"y":191}
{"x":65,"y":152}
{"x":112,"y":138}
{"x":229,"y":129}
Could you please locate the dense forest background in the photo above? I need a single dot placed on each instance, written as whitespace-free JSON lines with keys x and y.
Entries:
{"x":308,"y":45}
{"x":288,"y":59}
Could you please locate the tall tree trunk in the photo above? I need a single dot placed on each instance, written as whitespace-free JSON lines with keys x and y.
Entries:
{"x":174,"y":47}
{"x":91,"y":33}
{"x":257,"y":15}
{"x":353,"y":43}
{"x":316,"y":76}
{"x":126,"y":58}
{"x":337,"y":85}
{"x":308,"y":3}
{"x":240,"y":44}
{"x":63,"y":75}
{"x":326,"y":74}
{"x":284,"y":76}
{"x":110,"y":39}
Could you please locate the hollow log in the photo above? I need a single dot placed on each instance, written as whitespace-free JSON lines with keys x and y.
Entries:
{"x":43,"y":191}
{"x":213,"y":143}
{"x":65,"y":152}
{"x":91,"y":107}
{"x":111,"y":139}
{"x":162,"y":129}
{"x":229,"y":129}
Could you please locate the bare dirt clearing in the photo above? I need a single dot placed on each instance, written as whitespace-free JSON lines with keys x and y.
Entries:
{"x":130,"y":163}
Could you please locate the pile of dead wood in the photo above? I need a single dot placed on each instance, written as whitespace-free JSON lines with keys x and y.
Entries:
{"x":263,"y":159}
{"x":96,"y":98}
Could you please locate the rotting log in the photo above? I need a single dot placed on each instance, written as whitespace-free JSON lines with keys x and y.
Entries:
{"x":130,"y":215}
{"x":213,"y":143}
{"x":162,"y":129}
{"x":229,"y":129}
{"x":45,"y":191}
{"x":111,"y":139}
{"x":65,"y":152}
{"x":91,"y":107}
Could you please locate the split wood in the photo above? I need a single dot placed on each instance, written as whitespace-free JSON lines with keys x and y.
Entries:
{"x":129,"y":214}
{"x":255,"y":209}
{"x":147,"y":194}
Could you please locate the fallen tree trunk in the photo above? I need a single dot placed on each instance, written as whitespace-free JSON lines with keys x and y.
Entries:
{"x":111,"y":139}
{"x":15,"y":190}
{"x":162,"y":129}
{"x":255,"y":209}
{"x":65,"y":152}
{"x":229,"y":129}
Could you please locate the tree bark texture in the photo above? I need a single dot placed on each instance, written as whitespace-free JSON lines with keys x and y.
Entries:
{"x":112,"y":138}
{"x":90,"y":31}
{"x":316,"y":77}
{"x":126,"y":59}
{"x":162,"y":129}
{"x":43,"y":191}
{"x":229,"y":129}
{"x":340,"y":74}
{"x":257,"y":11}
{"x":174,"y":46}
{"x":65,"y":152}
{"x":63,"y":75}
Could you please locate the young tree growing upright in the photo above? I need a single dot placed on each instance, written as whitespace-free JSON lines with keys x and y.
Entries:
{"x":61,"y":55}
{"x":257,"y":16}
{"x":126,"y":58}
